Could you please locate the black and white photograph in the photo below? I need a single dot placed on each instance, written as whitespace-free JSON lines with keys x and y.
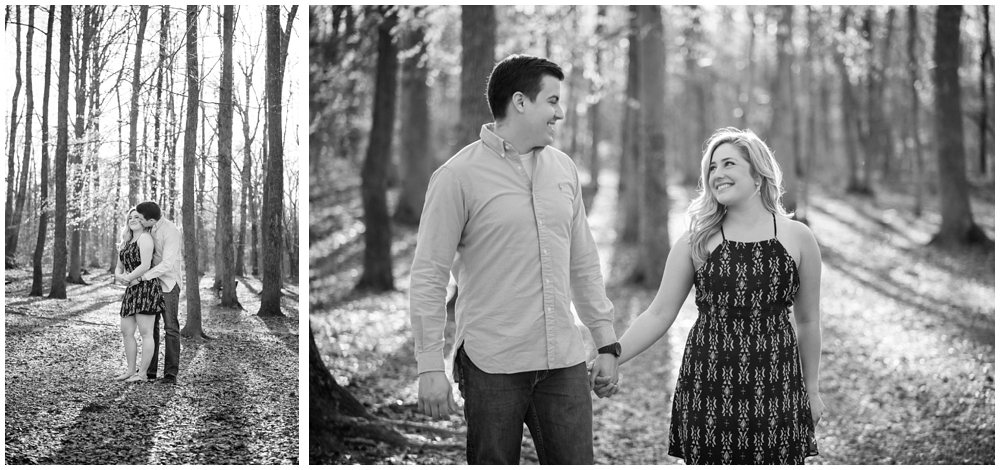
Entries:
{"x":633,"y":235}
{"x":151,"y":268}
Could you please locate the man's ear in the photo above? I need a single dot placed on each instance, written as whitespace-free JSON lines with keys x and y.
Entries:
{"x":518,"y":101}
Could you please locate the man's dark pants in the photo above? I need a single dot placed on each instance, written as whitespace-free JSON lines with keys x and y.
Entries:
{"x":555,"y":404}
{"x":172,"y":351}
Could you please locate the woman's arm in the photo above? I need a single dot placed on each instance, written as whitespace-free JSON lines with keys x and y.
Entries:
{"x":807,"y":310}
{"x":145,"y":243}
{"x":678,"y":277}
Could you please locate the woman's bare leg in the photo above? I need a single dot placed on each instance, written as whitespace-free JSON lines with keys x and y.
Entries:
{"x":128,"y":337}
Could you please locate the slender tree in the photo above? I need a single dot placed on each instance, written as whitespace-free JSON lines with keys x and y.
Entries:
{"x":29,"y":112}
{"x":957,"y":224}
{"x":628,"y":181}
{"x":913,"y":66}
{"x":76,"y":173}
{"x":479,"y":25}
{"x":46,"y":204}
{"x":783,"y":120}
{"x":377,"y":270}
{"x":192,"y":325}
{"x":58,"y":289}
{"x":417,"y":161}
{"x":654,"y":205}
{"x":11,"y":147}
{"x":271,"y":206}
{"x":225,"y":209}
{"x":986,"y":68}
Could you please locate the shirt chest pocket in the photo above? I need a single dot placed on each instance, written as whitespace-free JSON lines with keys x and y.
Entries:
{"x":558,"y":203}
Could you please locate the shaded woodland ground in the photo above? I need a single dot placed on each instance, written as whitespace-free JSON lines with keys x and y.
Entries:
{"x":908,"y":367}
{"x":236,"y":400}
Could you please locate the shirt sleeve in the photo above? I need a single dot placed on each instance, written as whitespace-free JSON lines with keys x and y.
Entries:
{"x":586,"y":281}
{"x":441,"y":224}
{"x":171,"y":252}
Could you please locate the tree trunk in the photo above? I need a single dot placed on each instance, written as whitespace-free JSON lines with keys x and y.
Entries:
{"x":43,"y":219}
{"x":848,"y":112}
{"x":11,"y":147}
{"x":225,"y":209}
{"x":22,"y":190}
{"x":884,"y":128}
{"x":957,"y":225}
{"x":747,"y":98}
{"x":783,"y":122}
{"x":915,"y":142}
{"x":628,"y":177}
{"x":58,"y":290}
{"x":986,"y":63}
{"x":245,"y":187}
{"x":377,"y":271}
{"x":329,"y":403}
{"x":417,"y":162}
{"x":812,"y":108}
{"x":479,"y":26}
{"x":594,"y":112}
{"x":654,"y":205}
{"x":76,"y":174}
{"x":157,"y":181}
{"x":192,"y":325}
{"x":696,"y":100}
{"x":271,"y":206}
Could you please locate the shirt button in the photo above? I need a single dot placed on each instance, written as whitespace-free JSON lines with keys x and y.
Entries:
{"x":548,"y":281}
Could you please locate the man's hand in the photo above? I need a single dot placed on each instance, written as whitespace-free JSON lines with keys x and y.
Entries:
{"x":604,"y":375}
{"x":434,"y":396}
{"x":134,"y":282}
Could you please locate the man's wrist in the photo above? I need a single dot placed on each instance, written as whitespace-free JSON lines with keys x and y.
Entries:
{"x":615,"y":349}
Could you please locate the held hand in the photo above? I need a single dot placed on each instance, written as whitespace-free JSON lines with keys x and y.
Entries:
{"x":434,"y":397}
{"x":134,"y":282}
{"x":604,"y":375}
{"x":120,"y":279}
{"x":817,"y":407}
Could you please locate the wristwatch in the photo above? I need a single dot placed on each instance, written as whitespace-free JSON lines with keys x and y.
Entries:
{"x":613,"y":348}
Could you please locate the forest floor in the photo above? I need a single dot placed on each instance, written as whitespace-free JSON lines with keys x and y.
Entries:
{"x":235,"y":401}
{"x":908,"y":364}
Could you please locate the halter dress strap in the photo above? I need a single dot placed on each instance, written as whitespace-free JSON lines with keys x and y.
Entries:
{"x":775,"y":220}
{"x":723,"y":232}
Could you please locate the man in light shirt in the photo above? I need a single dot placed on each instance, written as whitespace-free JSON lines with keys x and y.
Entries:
{"x":512,"y":208}
{"x":166,"y":268}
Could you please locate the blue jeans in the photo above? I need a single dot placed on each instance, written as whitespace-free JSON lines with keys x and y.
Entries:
{"x":555,"y":404}
{"x":172,"y":351}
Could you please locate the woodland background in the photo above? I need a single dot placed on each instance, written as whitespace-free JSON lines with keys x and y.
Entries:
{"x":187,"y":107}
{"x":882,"y":120}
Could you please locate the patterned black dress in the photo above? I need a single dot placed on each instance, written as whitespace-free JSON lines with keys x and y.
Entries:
{"x":144,"y":298}
{"x":740,"y":396}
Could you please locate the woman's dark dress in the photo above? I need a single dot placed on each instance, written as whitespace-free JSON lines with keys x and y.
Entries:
{"x":146,"y":297}
{"x":740,"y":395}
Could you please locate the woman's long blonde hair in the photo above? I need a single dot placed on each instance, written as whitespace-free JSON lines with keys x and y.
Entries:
{"x":706,"y":213}
{"x":127,"y":233}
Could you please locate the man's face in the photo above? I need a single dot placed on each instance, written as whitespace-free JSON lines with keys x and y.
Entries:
{"x":146,"y":222}
{"x":542,"y":113}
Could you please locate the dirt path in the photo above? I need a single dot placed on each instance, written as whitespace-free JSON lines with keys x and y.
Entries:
{"x":907,"y":370}
{"x":236,"y":400}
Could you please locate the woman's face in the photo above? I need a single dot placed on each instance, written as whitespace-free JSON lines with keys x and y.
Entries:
{"x":729,"y":175}
{"x":134,"y":220}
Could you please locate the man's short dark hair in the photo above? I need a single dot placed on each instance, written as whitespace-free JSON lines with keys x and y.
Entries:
{"x":149,"y":210}
{"x":517,"y":73}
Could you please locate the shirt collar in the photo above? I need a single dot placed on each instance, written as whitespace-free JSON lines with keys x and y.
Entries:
{"x":496,"y":143}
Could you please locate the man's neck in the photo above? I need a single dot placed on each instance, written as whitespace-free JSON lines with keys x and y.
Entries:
{"x":512,"y":136}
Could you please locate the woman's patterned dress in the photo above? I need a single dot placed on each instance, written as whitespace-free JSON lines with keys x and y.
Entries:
{"x":740,"y":395}
{"x":146,"y":297}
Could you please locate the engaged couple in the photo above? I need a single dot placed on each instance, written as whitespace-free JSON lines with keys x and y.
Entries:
{"x":510,"y":206}
{"x":149,"y":264}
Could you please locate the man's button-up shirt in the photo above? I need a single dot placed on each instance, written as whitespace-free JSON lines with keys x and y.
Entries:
{"x":525,"y":251}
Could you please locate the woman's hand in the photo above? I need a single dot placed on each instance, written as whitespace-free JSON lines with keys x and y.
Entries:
{"x":120,"y":278}
{"x":817,"y":407}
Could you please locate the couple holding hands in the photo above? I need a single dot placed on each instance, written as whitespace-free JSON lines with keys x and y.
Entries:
{"x":510,"y":206}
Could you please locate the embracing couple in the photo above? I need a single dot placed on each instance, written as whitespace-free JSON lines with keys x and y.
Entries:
{"x":149,"y":265}
{"x":509,"y":205}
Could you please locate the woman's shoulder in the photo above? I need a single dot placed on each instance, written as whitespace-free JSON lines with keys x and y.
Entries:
{"x":144,"y":237}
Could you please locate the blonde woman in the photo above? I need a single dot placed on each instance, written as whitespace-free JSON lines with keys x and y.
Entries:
{"x":142,"y":301}
{"x":747,"y":391}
